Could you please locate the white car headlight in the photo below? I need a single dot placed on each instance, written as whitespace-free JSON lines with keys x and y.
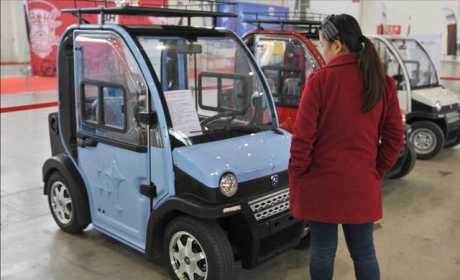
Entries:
{"x":438,"y":105}
{"x":228,"y":185}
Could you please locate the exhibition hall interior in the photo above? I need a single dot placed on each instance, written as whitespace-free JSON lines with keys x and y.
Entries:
{"x":230,"y":139}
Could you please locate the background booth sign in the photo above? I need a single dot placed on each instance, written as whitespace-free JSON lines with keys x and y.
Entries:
{"x":238,"y":26}
{"x":46,"y":24}
{"x":389,"y":29}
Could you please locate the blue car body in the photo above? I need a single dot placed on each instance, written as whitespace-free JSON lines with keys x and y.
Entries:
{"x":133,"y":191}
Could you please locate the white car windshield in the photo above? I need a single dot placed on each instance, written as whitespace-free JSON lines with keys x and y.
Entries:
{"x":422,"y":72}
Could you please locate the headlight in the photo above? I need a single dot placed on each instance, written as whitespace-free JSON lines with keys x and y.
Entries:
{"x":228,"y":185}
{"x":404,"y":118}
{"x":438,"y":105}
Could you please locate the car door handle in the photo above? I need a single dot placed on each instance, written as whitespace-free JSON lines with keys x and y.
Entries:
{"x":86,"y":141}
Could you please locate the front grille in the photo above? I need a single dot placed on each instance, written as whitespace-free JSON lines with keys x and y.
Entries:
{"x":270,"y":205}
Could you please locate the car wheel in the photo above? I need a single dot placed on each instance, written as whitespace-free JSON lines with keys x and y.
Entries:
{"x":64,"y":202}
{"x":197,"y":250}
{"x":408,"y":164}
{"x":427,"y":139}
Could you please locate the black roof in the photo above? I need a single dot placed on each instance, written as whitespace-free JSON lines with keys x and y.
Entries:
{"x":179,"y":30}
{"x":306,"y":22}
{"x":284,"y":21}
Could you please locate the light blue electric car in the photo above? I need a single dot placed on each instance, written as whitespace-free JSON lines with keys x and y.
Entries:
{"x":167,"y":140}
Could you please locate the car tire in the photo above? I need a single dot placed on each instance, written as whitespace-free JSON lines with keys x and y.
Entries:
{"x":427,"y":138}
{"x":210,"y":255}
{"x":65,"y":202}
{"x":408,"y":164}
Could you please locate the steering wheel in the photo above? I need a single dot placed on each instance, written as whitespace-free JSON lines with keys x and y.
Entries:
{"x":228,"y":114}
{"x":231,"y":115}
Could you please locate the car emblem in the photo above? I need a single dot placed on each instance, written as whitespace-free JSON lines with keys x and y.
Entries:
{"x":275,"y":179}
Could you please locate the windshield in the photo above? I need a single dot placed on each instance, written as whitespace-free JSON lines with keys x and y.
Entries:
{"x":422,"y":72}
{"x":210,"y":85}
{"x":286,"y":63}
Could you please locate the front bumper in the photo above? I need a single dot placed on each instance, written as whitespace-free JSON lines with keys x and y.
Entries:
{"x":258,"y":226}
{"x":264,"y":228}
{"x":257,"y":218}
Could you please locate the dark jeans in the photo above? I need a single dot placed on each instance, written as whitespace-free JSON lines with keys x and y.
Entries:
{"x":360,"y":245}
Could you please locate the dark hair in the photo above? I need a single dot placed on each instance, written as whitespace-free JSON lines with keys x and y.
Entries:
{"x":370,"y":65}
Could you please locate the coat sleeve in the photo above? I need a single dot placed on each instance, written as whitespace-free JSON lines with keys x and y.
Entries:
{"x":392,"y":134}
{"x":305,"y":128}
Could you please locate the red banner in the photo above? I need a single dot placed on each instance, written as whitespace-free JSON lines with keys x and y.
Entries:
{"x":46,"y":24}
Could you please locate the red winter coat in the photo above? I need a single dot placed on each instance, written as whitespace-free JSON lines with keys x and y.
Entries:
{"x":336,"y":165}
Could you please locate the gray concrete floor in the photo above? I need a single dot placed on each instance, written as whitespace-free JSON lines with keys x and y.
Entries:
{"x":419,"y":237}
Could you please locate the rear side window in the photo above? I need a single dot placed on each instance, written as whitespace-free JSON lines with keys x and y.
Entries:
{"x":111,"y":90}
{"x":103,"y":106}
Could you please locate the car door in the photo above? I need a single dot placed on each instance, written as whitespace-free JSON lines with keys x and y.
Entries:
{"x":286,"y":63}
{"x":113,"y":153}
{"x":394,"y":69}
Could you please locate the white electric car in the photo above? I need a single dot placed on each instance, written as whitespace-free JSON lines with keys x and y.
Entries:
{"x":432,"y":110}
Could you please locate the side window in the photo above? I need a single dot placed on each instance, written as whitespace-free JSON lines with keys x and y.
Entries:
{"x":110,"y":89}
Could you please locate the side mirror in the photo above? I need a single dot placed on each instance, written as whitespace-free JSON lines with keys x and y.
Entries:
{"x":146,"y":118}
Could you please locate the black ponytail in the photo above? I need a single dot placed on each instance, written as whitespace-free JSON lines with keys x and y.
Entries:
{"x":370,"y":65}
{"x":373,"y":74}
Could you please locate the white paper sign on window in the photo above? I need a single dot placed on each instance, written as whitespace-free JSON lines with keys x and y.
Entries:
{"x":183,"y":113}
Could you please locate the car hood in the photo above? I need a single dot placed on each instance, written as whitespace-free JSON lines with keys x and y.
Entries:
{"x":248,"y":157}
{"x":429,"y":96}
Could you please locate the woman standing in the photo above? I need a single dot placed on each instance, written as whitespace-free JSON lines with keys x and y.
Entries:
{"x":348,"y":134}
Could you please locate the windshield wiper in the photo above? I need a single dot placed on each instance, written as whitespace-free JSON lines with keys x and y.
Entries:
{"x":241,"y":128}
{"x":277,"y":130}
{"x":249,"y":129}
{"x":227,"y":114}
{"x":253,"y":129}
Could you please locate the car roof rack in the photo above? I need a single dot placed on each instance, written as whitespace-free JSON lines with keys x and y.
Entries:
{"x":305,"y":22}
{"x":309,"y":27}
{"x":288,"y":15}
{"x":146,"y":11}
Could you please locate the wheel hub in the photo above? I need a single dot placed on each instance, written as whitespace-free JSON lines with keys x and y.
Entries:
{"x":61,"y":202}
{"x":187,"y":256}
{"x":424,"y":141}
